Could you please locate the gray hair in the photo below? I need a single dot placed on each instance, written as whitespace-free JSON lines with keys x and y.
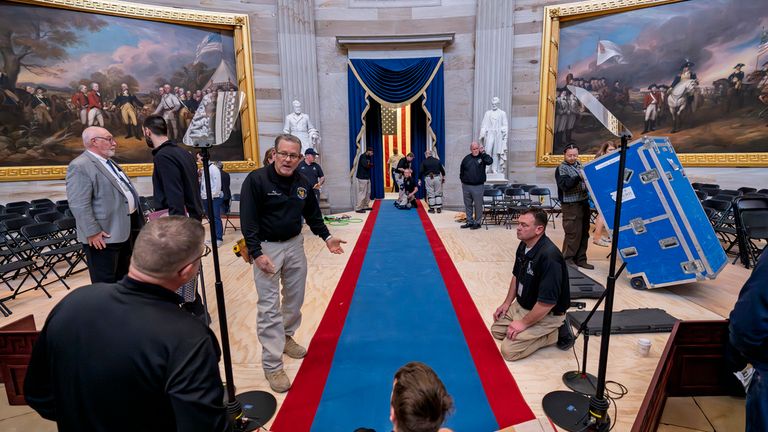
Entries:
{"x":167,"y":244}
{"x":90,"y":133}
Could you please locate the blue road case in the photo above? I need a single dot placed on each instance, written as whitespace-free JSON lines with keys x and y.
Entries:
{"x":665,"y":236}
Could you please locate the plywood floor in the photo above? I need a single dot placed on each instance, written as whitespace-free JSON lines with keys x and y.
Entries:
{"x":484,"y":260}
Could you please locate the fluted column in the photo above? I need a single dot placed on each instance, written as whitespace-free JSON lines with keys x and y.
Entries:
{"x":298,"y":57}
{"x":494,"y":40}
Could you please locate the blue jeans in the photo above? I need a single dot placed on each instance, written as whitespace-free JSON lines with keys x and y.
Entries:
{"x":757,"y":402}
{"x":216,"y":221}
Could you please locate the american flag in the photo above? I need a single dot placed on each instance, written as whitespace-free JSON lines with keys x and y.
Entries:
{"x":395,"y":134}
{"x":763,"y":47}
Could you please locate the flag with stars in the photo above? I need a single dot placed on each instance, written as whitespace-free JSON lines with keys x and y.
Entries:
{"x":395,"y":134}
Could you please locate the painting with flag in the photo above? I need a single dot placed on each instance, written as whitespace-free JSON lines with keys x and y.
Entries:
{"x":695,"y":71}
{"x":210,"y":43}
{"x":396,"y":135}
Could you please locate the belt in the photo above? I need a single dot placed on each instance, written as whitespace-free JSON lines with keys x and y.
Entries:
{"x":279,"y":241}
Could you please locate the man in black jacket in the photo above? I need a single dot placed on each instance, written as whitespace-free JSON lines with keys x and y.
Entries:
{"x":123,"y":356}
{"x":572,"y":192}
{"x":472,"y":176}
{"x":174,"y":183}
{"x":226,"y":190}
{"x":273,"y":200}
{"x":364,"y":166}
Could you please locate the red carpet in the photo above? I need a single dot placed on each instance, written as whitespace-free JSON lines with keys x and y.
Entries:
{"x":298,"y":410}
{"x":504,"y":396}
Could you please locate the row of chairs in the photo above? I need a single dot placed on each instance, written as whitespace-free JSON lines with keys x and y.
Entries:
{"x":31,"y":248}
{"x":741,"y":221}
{"x":503,"y":204}
{"x":32,"y":208}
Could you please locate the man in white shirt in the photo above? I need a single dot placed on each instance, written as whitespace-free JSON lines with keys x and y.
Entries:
{"x":105,"y":205}
{"x":169,"y":106}
{"x":218,"y":198}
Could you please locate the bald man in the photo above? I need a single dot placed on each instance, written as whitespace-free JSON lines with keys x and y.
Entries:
{"x":105,"y":205}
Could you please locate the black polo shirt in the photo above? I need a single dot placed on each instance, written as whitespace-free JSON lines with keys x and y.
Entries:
{"x":409,"y":184}
{"x":311,"y":172}
{"x":543,"y":275}
{"x":125,"y":357}
{"x":174,"y":181}
{"x":271,"y":208}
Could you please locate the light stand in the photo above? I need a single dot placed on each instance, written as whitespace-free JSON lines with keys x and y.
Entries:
{"x":250,"y":410}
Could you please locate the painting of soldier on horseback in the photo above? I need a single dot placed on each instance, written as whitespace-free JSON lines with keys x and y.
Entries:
{"x":661,"y":74}
{"x":64,"y":70}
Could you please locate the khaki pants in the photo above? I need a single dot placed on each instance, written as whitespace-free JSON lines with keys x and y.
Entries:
{"x":276,"y":319}
{"x":363,"y":194}
{"x":95,"y":117}
{"x":539,"y":335}
{"x":128,"y":114}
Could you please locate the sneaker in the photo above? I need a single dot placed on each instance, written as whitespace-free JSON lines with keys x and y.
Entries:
{"x":431,"y":211}
{"x":602,"y":242}
{"x":586,"y":265}
{"x":467,"y":225}
{"x":219,"y":243}
{"x":293,"y":349}
{"x":565,"y":337}
{"x":475,"y":226}
{"x":439,"y":210}
{"x":359,"y":211}
{"x":745,"y":376}
{"x":278,"y":381}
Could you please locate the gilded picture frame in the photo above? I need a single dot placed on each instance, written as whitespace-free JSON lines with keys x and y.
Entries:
{"x":552,"y":85}
{"x":236,"y":28}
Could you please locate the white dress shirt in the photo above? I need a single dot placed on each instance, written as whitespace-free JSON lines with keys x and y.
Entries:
{"x":122,"y":179}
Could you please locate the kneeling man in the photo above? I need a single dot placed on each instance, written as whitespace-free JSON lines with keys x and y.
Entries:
{"x":539,"y":293}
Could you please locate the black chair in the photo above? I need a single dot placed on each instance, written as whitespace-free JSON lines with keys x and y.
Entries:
{"x":2,"y":209}
{"x":44,"y":205}
{"x":527,"y":188}
{"x":6,"y":216}
{"x":696,"y":185}
{"x":68,"y":228}
{"x":746,"y":190}
{"x":21,"y":211}
{"x":701,"y":195}
{"x":493,"y":205}
{"x":12,"y":267}
{"x":763,"y":191}
{"x":709,"y":186}
{"x":24,"y":204}
{"x":516,"y":203}
{"x":60,"y":202}
{"x":722,"y":221}
{"x":50,"y":216}
{"x":51,"y":248}
{"x":754,"y":224}
{"x":34,"y":202}
{"x":227,"y":222}
{"x":38,"y":210}
{"x":746,"y":246}
{"x":542,"y":198}
{"x":730,"y":192}
{"x":61,"y":208}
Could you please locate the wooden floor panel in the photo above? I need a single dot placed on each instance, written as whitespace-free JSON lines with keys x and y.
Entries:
{"x":484,"y":261}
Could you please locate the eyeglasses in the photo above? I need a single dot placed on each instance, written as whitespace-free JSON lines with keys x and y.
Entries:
{"x":110,"y":139}
{"x":289,"y":156}
{"x":206,"y":251}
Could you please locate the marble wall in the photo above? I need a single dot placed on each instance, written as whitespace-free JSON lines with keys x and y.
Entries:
{"x":361,"y":18}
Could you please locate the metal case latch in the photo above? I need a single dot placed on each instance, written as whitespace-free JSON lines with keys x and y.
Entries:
{"x":669,"y":242}
{"x":649,"y":176}
{"x":638,"y":226}
{"x":692,"y":267}
{"x":629,"y":252}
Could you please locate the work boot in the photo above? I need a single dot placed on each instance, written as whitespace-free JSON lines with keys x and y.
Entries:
{"x":585,"y":265}
{"x":128,"y":131}
{"x":439,"y":210}
{"x":468,"y":225}
{"x":431,"y":211}
{"x":646,"y":126}
{"x":293,"y":349}
{"x":278,"y":381}
{"x":565,"y":337}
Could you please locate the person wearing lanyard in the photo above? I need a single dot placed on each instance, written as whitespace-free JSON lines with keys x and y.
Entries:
{"x":539,"y":294}
{"x":105,"y":205}
{"x":273,"y":199}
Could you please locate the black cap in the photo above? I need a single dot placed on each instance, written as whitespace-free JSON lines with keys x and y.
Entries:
{"x":311,"y":151}
{"x":739,"y":65}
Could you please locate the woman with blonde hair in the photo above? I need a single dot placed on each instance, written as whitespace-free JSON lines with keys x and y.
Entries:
{"x":601,"y":235}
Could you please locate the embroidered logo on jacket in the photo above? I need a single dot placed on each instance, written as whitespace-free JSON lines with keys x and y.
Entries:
{"x":301,"y":192}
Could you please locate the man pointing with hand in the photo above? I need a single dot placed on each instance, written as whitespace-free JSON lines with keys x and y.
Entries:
{"x":273,"y":201}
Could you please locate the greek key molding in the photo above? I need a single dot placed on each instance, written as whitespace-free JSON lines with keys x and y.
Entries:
{"x":742,"y":160}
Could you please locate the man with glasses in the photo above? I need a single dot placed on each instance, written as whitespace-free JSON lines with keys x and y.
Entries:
{"x":105,"y":205}
{"x":273,"y":200}
{"x":146,"y":365}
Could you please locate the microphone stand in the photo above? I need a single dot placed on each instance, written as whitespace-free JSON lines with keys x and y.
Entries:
{"x":250,"y":410}
{"x":573,"y":411}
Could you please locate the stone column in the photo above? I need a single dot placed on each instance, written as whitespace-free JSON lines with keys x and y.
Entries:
{"x":494,"y":40}
{"x":298,"y":57}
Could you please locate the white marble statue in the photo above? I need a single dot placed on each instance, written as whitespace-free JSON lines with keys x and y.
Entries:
{"x":299,"y":124}
{"x":493,"y":136}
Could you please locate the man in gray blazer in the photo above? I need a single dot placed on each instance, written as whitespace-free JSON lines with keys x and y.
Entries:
{"x":105,"y":205}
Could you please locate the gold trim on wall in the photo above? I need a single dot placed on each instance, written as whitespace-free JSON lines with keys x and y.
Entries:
{"x":550,"y":41}
{"x":237,"y":23}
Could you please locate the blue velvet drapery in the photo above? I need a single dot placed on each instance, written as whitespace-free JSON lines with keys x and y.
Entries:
{"x":398,"y":82}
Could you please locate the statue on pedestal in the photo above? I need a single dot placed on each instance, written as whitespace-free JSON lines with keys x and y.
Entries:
{"x":493,"y":136}
{"x":299,"y":124}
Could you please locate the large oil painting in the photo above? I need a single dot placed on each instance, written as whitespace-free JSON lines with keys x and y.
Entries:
{"x":62,"y":70}
{"x":695,"y":71}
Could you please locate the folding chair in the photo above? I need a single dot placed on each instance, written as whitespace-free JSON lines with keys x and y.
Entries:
{"x":50,"y":248}
{"x":492,"y":204}
{"x":37,"y":210}
{"x":747,"y":246}
{"x":49,"y":216}
{"x":541,"y":198}
{"x":12,"y":229}
{"x":62,"y":208}
{"x":746,"y":190}
{"x":516,"y":203}
{"x":35,"y":202}
{"x":12,"y":267}
{"x":60,"y":202}
{"x":21,"y":211}
{"x":722,"y":221}
{"x":527,"y":189}
{"x":24,"y":204}
{"x":701,"y":195}
{"x":754,"y":223}
{"x":68,"y":228}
